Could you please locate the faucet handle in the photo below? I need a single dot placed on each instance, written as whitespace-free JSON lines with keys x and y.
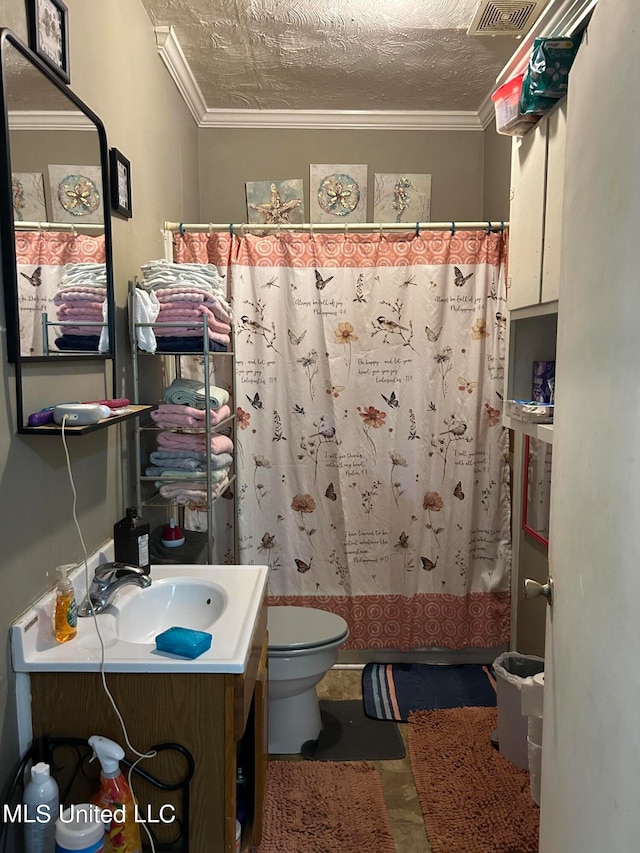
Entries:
{"x":111,"y":571}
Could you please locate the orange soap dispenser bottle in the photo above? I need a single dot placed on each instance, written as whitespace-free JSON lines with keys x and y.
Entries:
{"x":123,"y":833}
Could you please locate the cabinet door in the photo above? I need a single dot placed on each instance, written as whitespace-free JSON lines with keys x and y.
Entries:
{"x":556,"y":136}
{"x":526,"y":215}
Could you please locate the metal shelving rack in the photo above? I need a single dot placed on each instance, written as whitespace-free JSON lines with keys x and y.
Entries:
{"x":209,"y":429}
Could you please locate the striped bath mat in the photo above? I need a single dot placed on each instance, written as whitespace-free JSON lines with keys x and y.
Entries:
{"x":393,"y":691}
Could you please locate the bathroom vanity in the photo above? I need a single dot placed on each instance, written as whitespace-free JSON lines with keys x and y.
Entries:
{"x":215,"y":706}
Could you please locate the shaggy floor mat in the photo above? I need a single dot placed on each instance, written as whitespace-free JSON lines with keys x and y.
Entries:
{"x":473,"y":800}
{"x":393,"y":691}
{"x":325,"y":807}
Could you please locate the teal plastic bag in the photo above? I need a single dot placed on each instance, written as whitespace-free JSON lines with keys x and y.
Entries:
{"x":547,"y":74}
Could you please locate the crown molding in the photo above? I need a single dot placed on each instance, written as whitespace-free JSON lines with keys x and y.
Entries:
{"x":49,"y":120}
{"x":178,"y":67}
{"x":561,"y":17}
{"x":176,"y":62}
{"x":344,"y":119}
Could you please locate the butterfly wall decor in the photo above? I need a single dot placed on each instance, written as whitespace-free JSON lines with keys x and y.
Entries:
{"x":35,"y":278}
{"x":321,"y":283}
{"x":460,"y":278}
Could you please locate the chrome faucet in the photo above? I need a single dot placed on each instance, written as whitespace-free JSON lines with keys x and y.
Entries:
{"x":107,"y":580}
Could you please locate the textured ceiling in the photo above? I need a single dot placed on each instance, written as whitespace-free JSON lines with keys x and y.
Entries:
{"x":335,"y":54}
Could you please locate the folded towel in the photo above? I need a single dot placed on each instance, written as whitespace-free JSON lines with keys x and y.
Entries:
{"x":188,"y":494}
{"x":168,"y":473}
{"x":146,"y":308}
{"x":192,"y":392}
{"x":168,"y":415}
{"x":194,"y":441}
{"x":189,"y":459}
{"x":172,"y":344}
{"x":80,"y":294}
{"x":193,"y":298}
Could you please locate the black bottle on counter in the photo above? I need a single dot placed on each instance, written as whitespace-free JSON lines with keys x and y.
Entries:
{"x":131,"y":540}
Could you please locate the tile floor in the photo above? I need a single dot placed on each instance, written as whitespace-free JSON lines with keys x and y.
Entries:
{"x":400,"y":793}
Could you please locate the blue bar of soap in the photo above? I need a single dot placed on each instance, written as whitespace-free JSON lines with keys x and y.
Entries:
{"x":184,"y":642}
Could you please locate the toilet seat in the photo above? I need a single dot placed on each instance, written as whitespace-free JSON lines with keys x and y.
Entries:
{"x":303,"y":628}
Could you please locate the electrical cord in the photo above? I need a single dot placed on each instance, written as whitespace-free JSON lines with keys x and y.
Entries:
{"x":141,"y":755}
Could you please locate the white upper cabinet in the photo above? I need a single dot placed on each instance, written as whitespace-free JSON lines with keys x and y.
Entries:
{"x":556,"y":137}
{"x":537,"y":169}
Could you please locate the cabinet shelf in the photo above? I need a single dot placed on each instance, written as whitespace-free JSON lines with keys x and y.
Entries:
{"x":133,"y":411}
{"x":543,"y":432}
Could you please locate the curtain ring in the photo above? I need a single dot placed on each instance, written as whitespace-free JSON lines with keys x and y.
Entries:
{"x":489,"y":226}
{"x":417,"y":229}
{"x":346,"y":230}
{"x":453,"y":228}
{"x":210,"y":232}
{"x":311,"y":229}
{"x":231,"y":229}
{"x":502,"y":226}
{"x":181,"y":230}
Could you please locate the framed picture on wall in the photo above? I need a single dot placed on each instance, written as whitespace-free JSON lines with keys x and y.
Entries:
{"x":120,"y":183}
{"x":48,"y":25}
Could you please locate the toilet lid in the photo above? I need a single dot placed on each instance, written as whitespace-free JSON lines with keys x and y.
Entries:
{"x":303,"y":627}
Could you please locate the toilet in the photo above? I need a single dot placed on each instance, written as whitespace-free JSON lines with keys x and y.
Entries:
{"x":303,"y":646}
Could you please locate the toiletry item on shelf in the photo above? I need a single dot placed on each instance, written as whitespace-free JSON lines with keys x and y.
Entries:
{"x":131,"y":540}
{"x":66,"y":610}
{"x":544,"y":379}
{"x":123,"y":835}
{"x":42,"y":802}
{"x":172,"y":536}
{"x":79,"y":829}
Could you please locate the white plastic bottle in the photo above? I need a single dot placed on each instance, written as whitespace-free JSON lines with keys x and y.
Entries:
{"x":41,"y":799}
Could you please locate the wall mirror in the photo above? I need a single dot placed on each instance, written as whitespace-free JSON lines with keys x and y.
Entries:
{"x":55,"y":229}
{"x":537,"y":489}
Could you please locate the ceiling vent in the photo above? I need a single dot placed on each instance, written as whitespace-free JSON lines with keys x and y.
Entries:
{"x":505,"y":17}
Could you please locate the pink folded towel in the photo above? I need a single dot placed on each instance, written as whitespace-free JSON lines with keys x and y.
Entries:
{"x":79,"y":294}
{"x":178,"y":294}
{"x":191,"y":441}
{"x":169,"y":415}
{"x":189,"y":316}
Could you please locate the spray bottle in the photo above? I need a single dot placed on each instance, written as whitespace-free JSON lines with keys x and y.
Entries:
{"x":123,"y":835}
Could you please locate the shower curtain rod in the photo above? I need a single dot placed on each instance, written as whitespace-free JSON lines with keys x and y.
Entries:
{"x":347,"y":227}
{"x":57,"y":226}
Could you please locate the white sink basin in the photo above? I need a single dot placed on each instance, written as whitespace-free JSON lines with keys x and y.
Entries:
{"x":223,"y":600}
{"x":183,"y":601}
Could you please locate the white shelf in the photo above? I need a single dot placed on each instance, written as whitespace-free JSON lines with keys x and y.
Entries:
{"x":543,"y":432}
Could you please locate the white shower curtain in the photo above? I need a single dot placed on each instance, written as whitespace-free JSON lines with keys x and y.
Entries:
{"x":372,"y":466}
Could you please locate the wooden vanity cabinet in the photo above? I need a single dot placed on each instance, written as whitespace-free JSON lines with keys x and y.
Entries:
{"x":213,"y":715}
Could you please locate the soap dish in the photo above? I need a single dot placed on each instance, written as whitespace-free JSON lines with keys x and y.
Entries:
{"x":184,"y":642}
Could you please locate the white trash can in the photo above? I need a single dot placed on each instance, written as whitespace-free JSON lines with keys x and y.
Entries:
{"x":512,"y":670}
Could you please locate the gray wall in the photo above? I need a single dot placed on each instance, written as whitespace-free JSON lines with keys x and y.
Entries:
{"x":116,"y":70}
{"x":460,"y":162}
{"x":147,"y":120}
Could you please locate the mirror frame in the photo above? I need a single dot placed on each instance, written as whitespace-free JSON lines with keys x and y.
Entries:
{"x":530,"y":531}
{"x":8,"y":267}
